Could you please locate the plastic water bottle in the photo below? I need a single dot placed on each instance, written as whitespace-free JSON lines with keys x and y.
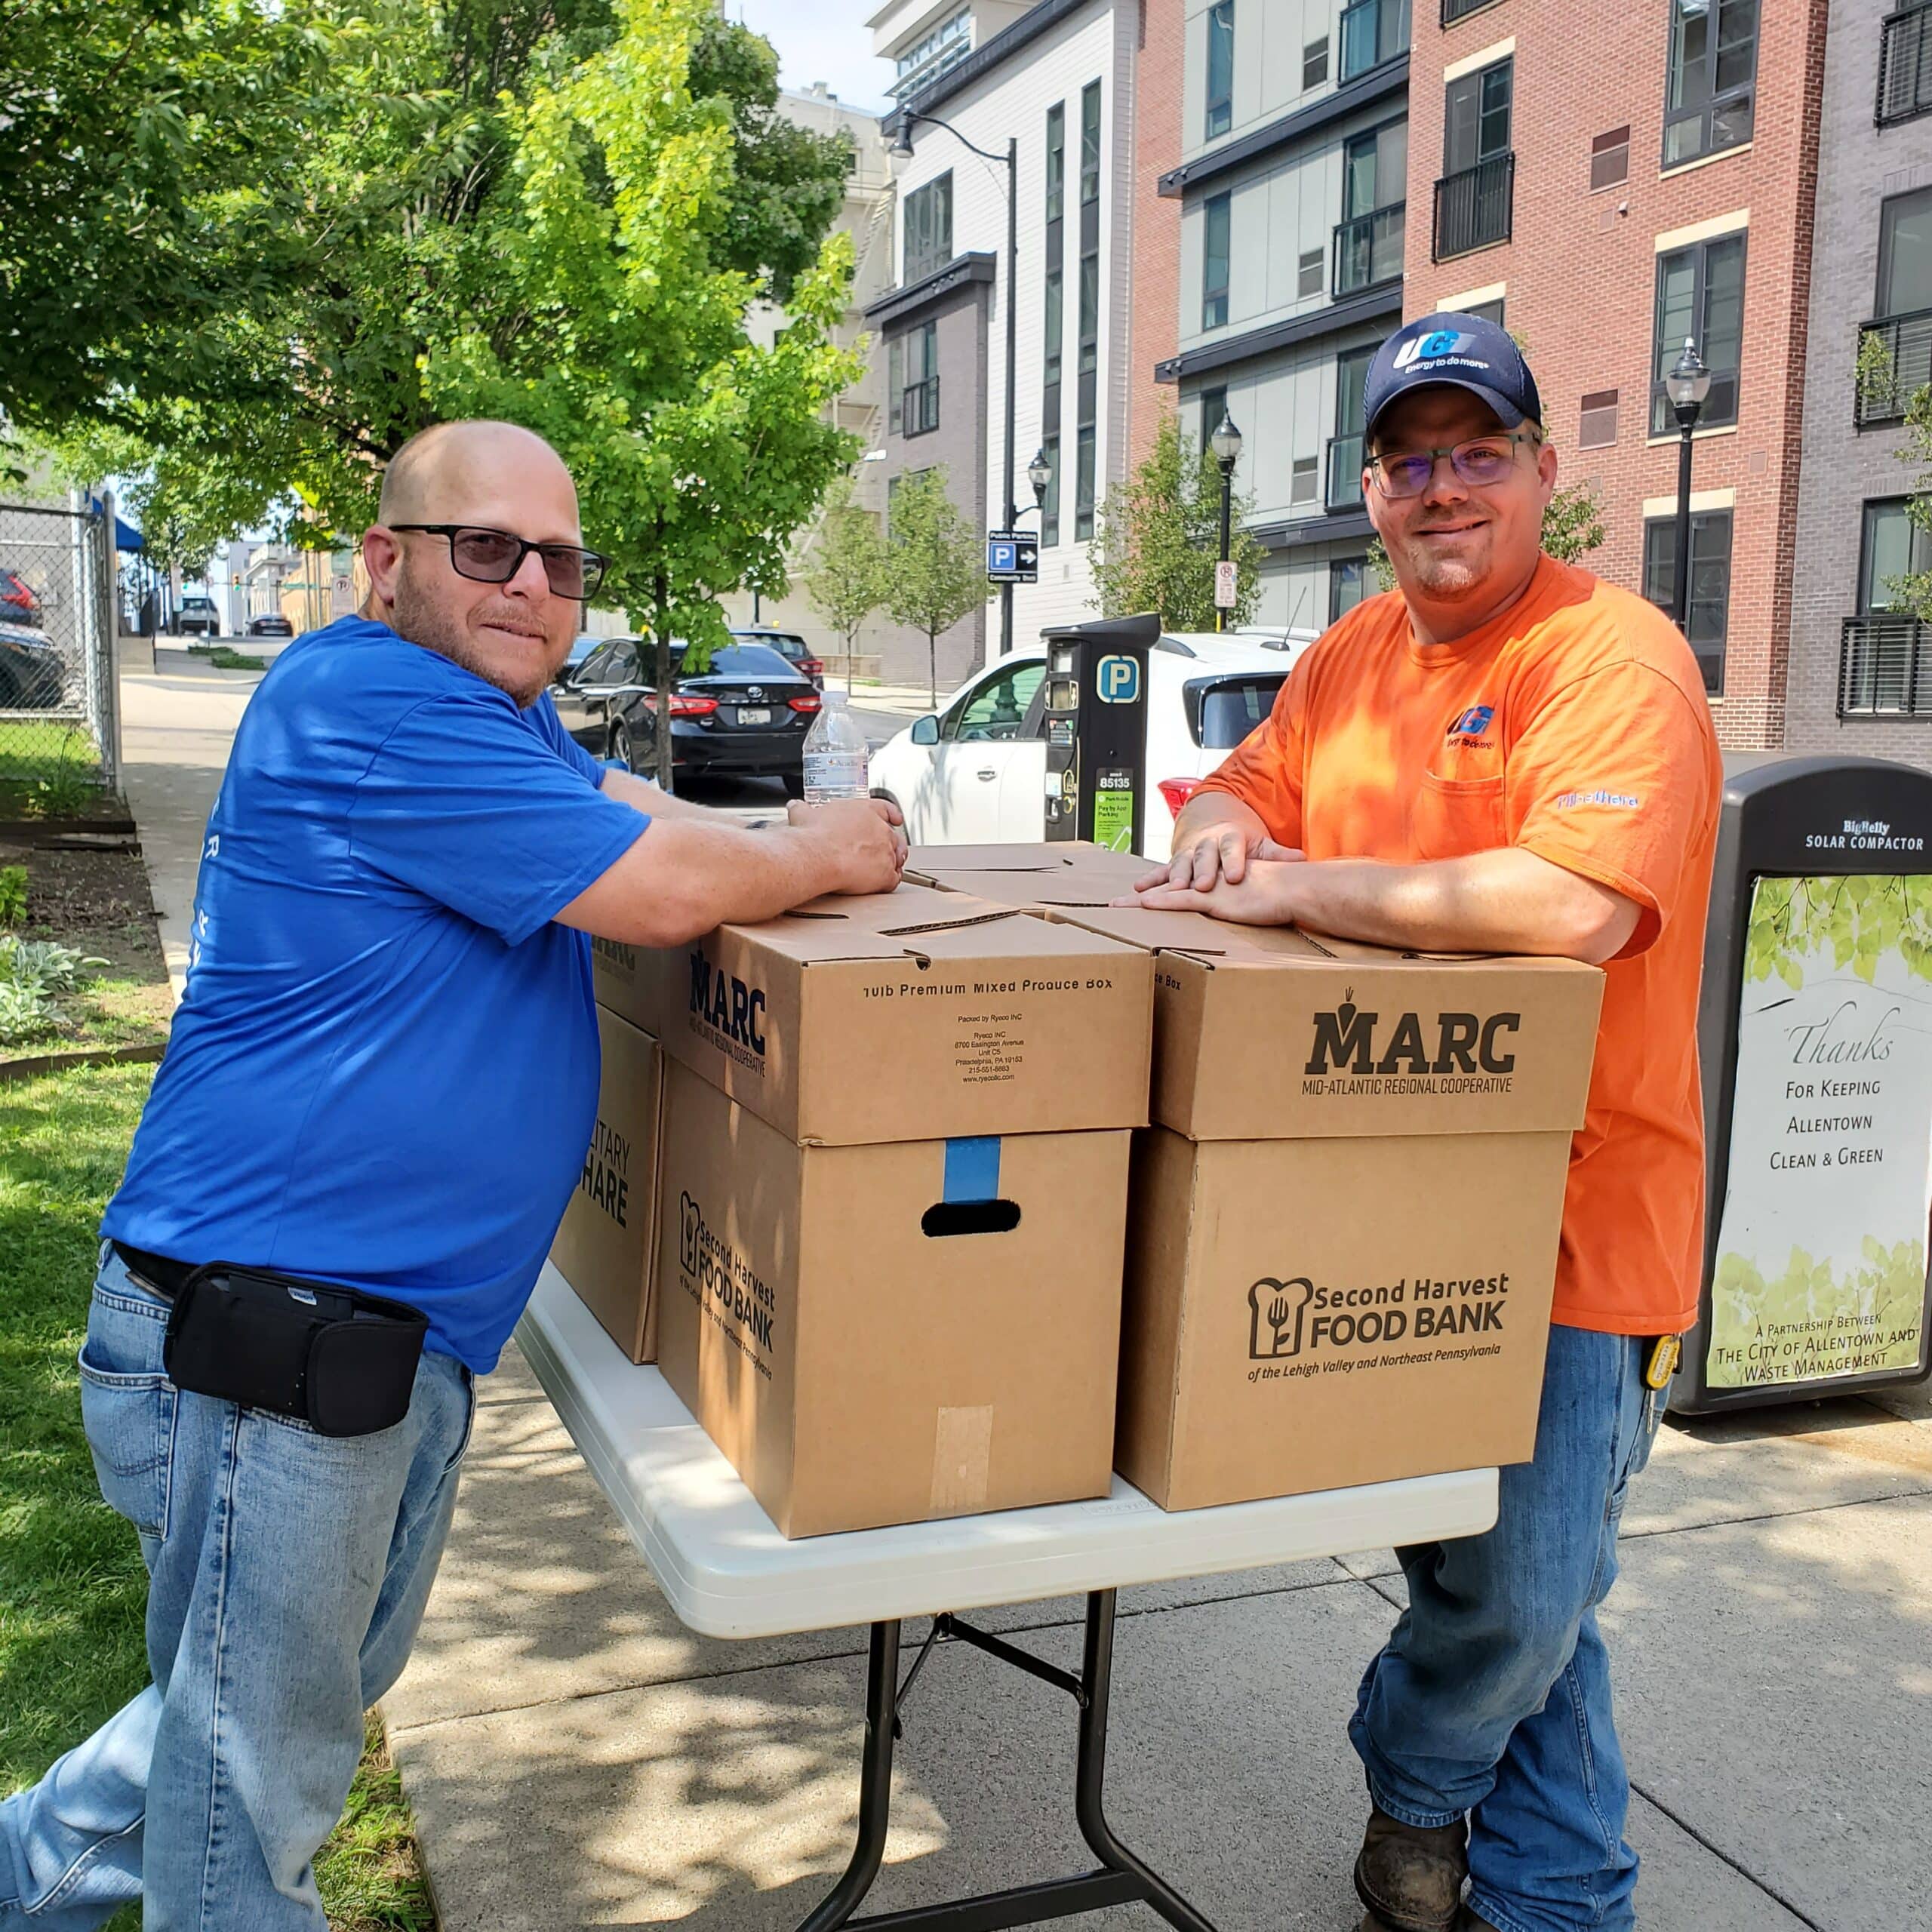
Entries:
{"x":835,"y":754}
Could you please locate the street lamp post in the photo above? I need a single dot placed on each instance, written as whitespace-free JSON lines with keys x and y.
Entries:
{"x":1226,"y":443}
{"x":902,"y":150}
{"x":1688,"y":383}
{"x":1040,"y":473}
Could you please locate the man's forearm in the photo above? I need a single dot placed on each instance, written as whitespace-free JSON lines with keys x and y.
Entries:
{"x":660,"y":803}
{"x":1504,"y":901}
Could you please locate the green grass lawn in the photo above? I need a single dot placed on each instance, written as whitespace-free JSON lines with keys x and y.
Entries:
{"x":47,"y":770}
{"x":73,"y":1590}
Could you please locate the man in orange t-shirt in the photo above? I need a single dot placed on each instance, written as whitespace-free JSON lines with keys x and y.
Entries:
{"x":1504,"y":754}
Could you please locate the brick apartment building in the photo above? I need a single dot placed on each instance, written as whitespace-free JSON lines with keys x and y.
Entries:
{"x":1860,"y":679}
{"x":1154,"y":315}
{"x":1617,"y":178}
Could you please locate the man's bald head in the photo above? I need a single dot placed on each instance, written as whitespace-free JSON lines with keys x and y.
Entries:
{"x":494,"y":476}
{"x":430,"y":472}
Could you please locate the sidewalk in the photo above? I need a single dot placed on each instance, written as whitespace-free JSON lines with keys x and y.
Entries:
{"x":576,"y":1758}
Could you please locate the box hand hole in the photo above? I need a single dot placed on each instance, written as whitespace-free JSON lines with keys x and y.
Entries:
{"x":946,"y":1218}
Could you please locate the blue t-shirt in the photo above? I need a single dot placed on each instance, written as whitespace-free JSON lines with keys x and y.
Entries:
{"x":384,"y":1070}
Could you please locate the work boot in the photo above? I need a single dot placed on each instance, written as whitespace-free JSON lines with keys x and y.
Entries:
{"x":1411,"y":1878}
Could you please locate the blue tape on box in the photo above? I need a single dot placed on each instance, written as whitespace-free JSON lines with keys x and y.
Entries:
{"x":972,"y":1169}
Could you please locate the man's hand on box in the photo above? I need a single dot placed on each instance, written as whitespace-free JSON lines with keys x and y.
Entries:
{"x":866,"y":837}
{"x":1221,"y":853}
{"x":1265,"y":894}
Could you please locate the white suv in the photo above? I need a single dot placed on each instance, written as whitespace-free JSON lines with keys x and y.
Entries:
{"x":974,"y":772}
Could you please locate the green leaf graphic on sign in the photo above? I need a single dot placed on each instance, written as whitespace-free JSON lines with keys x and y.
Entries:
{"x":1810,"y":1323}
{"x":1854,"y":922}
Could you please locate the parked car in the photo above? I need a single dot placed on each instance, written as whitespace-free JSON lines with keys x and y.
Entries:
{"x":18,"y":604}
{"x":745,"y":715}
{"x":790,"y":646}
{"x":33,"y":675}
{"x":273,"y":624}
{"x":197,"y":614}
{"x":974,"y":771}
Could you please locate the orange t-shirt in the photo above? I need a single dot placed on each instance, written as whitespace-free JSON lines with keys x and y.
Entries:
{"x":1574,"y":726}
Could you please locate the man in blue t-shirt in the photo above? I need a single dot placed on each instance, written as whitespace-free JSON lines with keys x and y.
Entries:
{"x":382,"y":1075}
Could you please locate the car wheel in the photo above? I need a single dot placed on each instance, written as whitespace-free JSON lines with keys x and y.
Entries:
{"x":620,"y":745}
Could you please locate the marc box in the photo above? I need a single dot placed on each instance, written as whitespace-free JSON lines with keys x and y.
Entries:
{"x":1343,"y":1228}
{"x":894,"y":1195}
{"x":606,"y":1247}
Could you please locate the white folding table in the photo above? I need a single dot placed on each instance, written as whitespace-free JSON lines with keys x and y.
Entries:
{"x":726,"y":1572}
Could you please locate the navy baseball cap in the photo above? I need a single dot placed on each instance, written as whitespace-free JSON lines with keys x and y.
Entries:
{"x":1461,"y":351}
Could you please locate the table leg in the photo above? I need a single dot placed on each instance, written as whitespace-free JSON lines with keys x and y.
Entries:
{"x":1089,"y":1778}
{"x":874,"y":1784}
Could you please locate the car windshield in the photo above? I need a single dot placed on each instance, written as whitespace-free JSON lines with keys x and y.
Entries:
{"x":747,"y":660}
{"x":1222,"y":713}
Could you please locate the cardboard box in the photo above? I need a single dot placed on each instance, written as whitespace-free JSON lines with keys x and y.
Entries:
{"x":880,"y":1334}
{"x":914,"y":1015}
{"x":1073,"y":873}
{"x":607,"y":1246}
{"x":1343,"y":1236}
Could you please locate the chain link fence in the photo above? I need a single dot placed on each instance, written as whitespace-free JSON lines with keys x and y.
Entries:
{"x":59,"y":723}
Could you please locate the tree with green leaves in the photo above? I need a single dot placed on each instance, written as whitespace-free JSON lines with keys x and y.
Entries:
{"x":1159,"y":537}
{"x":935,"y":570}
{"x":845,"y":574}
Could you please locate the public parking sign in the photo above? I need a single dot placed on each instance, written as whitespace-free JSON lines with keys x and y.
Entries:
{"x":1012,"y":556}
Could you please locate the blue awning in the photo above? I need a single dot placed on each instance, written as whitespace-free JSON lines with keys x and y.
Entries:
{"x":126,"y":536}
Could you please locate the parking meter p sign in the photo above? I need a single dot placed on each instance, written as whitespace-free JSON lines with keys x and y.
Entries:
{"x":1117,"y":680}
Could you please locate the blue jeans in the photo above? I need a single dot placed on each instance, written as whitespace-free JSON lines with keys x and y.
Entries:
{"x":1492,"y":1698}
{"x":287,"y":1573}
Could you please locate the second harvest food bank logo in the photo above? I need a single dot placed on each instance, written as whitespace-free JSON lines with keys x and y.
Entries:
{"x":724,"y":1284}
{"x":1354,"y":1050}
{"x":1286,"y":1316}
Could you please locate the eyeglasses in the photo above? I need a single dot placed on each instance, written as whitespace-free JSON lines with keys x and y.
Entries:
{"x":495,"y":556}
{"x":1481,"y":461}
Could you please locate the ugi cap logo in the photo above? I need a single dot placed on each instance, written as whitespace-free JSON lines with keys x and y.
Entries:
{"x":1429,"y":348}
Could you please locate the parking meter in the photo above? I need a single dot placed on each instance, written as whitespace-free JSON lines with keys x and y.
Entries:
{"x":1815,"y":1036}
{"x":1096,"y":730}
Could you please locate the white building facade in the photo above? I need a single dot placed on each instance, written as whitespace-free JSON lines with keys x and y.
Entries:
{"x":1056,"y":79}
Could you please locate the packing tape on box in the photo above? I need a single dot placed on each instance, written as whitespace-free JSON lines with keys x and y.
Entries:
{"x":972,"y":1169}
{"x":962,"y":1460}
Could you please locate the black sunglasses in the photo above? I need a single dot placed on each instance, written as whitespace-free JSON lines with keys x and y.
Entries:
{"x":495,"y":556}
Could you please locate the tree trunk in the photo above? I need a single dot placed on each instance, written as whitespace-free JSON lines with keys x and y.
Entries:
{"x":932,"y":669}
{"x":661,"y":676}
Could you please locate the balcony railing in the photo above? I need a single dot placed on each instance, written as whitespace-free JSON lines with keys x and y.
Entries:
{"x":918,"y":407}
{"x":1373,"y":31}
{"x":1905,"y":65}
{"x":1454,"y":10}
{"x":1368,"y":250}
{"x":1885,"y":667}
{"x":1345,"y":472}
{"x":1474,"y":207}
{"x":1894,"y":363}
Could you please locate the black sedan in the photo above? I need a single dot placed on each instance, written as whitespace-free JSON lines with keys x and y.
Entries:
{"x":795,"y":651}
{"x":745,"y":715}
{"x":33,"y":675}
{"x":271,"y":625}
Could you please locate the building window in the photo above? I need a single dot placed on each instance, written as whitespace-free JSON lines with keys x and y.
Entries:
{"x":1373,"y":31}
{"x":1090,"y":314}
{"x":1215,"y":218}
{"x":1368,"y":243}
{"x":1894,"y":547}
{"x":1213,"y":407}
{"x":1050,"y":502}
{"x":1348,"y":584}
{"x":1090,"y":142}
{"x":912,"y":380}
{"x":1709,"y":615}
{"x":1905,"y":255}
{"x":1610,"y":159}
{"x":929,"y":228}
{"x":1701,"y":296}
{"x":1305,"y":481}
{"x":1345,"y":446}
{"x":1475,"y":199}
{"x":1310,"y":276}
{"x":1056,"y":160}
{"x":1220,"y":68}
{"x":1315,"y":63}
{"x":1476,"y":117}
{"x":1083,"y":485}
{"x":1710,"y":86}
{"x":945,"y":47}
{"x":1597,"y":429}
{"x":1487,"y":311}
{"x":1905,"y":65}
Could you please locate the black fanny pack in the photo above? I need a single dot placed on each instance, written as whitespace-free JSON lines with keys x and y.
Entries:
{"x":342,"y":1361}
